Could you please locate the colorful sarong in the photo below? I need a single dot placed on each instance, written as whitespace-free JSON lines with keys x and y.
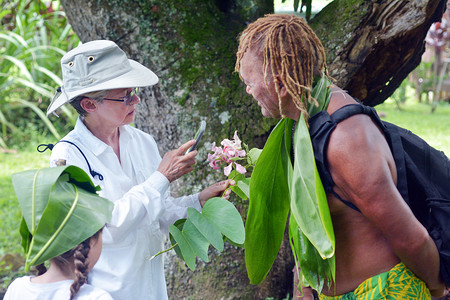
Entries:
{"x":398,"y":283}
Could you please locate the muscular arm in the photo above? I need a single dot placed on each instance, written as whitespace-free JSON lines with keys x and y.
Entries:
{"x":363,"y":169}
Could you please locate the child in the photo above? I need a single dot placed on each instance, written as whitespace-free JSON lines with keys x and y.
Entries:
{"x":57,"y":216}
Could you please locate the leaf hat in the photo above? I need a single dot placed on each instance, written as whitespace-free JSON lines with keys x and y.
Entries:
{"x":60,"y":208}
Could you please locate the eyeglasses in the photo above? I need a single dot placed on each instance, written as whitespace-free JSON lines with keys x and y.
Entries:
{"x":128,"y":97}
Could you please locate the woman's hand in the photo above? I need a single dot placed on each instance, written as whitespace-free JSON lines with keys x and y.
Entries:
{"x":215,"y":190}
{"x":176,"y":163}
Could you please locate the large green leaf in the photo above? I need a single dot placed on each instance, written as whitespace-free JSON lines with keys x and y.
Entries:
{"x":206,"y":228}
{"x":58,"y":212}
{"x":188,"y":254}
{"x":268,"y":208}
{"x":179,"y":225}
{"x":309,"y":203}
{"x":33,"y":187}
{"x":226,"y":218}
{"x":196,"y":239}
{"x":191,"y":237}
{"x":314,"y":270}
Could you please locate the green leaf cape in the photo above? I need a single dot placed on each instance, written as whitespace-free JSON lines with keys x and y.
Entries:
{"x":280,"y":188}
{"x":60,"y":209}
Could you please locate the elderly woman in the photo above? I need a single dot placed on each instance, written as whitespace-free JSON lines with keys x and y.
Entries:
{"x":99,"y":81}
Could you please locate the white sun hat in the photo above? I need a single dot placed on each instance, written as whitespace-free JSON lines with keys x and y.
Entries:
{"x":96,"y":66}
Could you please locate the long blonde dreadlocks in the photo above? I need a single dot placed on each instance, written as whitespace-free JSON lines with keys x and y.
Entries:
{"x":292,"y":52}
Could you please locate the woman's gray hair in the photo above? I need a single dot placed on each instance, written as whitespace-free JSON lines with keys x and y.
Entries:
{"x":97,"y":96}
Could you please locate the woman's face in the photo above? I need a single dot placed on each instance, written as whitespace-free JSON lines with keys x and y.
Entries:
{"x":115,"y":113}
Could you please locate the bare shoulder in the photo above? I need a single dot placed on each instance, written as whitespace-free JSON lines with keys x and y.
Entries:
{"x":360,"y":160}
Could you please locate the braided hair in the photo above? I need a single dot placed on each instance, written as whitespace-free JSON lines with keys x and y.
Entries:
{"x":81,"y":263}
{"x":78,"y":256}
{"x":292,"y":53}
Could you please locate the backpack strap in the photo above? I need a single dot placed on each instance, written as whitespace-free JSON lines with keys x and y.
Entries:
{"x":50,"y":146}
{"x":322,"y":125}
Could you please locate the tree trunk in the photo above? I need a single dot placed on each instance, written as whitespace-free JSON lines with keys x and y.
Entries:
{"x":191,"y":45}
{"x":374,"y":45}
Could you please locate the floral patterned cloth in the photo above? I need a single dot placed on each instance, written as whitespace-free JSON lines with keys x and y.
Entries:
{"x":398,"y":283}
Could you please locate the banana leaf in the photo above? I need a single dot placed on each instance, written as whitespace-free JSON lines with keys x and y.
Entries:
{"x":60,"y":209}
{"x":268,"y":208}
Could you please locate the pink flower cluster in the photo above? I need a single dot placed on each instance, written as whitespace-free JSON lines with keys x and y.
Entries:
{"x":229,"y":154}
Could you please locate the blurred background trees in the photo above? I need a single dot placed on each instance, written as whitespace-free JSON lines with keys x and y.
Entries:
{"x":33,"y":38}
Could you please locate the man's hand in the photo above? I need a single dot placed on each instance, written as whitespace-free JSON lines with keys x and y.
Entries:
{"x":215,"y":190}
{"x":307,"y":293}
{"x":444,"y":296}
{"x":175,"y":163}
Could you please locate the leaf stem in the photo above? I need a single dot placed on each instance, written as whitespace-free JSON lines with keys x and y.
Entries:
{"x":163,"y":251}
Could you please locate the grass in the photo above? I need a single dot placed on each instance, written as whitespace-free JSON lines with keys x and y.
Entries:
{"x":434,"y":128}
{"x":9,"y":212}
{"x":10,"y":163}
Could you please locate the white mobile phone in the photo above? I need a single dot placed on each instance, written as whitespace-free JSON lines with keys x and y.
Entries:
{"x":198,"y":136}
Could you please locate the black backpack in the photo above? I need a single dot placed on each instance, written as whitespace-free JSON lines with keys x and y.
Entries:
{"x":423,"y":173}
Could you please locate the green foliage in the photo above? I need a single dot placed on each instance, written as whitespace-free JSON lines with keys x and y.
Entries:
{"x":279,"y":186}
{"x":55,"y":203}
{"x":266,"y":220}
{"x":310,"y":227}
{"x":426,"y":76}
{"x":13,"y":162}
{"x":191,"y":237}
{"x":308,"y":201}
{"x":8,"y":274}
{"x":32,"y":41}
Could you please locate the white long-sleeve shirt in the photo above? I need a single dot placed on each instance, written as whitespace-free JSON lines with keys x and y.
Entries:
{"x":143,"y":209}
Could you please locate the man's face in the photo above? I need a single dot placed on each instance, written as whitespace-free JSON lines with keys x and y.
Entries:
{"x":251,"y":72}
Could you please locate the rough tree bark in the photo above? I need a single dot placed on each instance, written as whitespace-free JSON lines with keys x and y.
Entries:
{"x":372,"y":46}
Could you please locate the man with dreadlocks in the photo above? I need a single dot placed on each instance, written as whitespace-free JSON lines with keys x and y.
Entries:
{"x":381,"y":250}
